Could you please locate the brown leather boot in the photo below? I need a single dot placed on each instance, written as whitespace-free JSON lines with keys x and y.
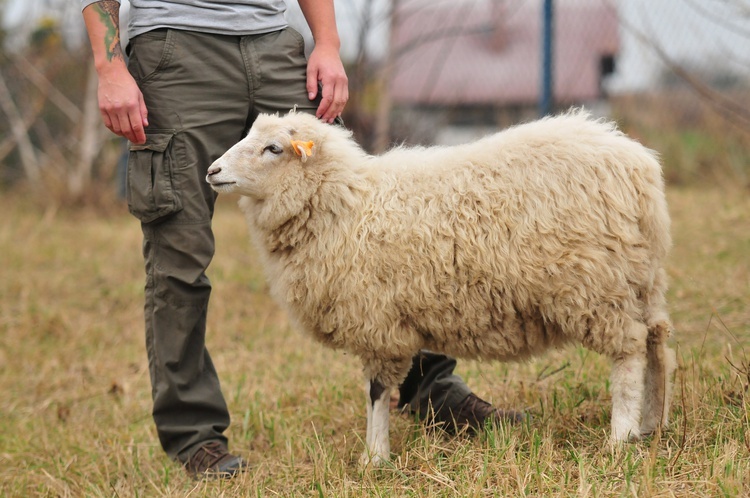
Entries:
{"x":472,"y":414}
{"x":213,"y":460}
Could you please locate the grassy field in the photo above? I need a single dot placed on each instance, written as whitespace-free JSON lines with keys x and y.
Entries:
{"x":75,"y":395}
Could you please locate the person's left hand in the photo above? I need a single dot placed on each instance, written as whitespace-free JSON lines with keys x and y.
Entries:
{"x":325,"y":66}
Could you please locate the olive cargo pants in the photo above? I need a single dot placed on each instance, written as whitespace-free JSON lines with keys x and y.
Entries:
{"x":202,"y":93}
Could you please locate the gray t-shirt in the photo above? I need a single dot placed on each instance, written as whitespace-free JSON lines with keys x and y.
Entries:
{"x":231,"y":17}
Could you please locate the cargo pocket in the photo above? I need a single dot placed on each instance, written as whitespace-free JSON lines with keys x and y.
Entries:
{"x":150,"y":188}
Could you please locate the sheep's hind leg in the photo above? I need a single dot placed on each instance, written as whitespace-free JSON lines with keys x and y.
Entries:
{"x":660,"y":367}
{"x":627,"y":385}
{"x":378,"y":448}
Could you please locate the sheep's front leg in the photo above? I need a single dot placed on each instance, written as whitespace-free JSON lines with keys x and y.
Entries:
{"x":378,"y":444}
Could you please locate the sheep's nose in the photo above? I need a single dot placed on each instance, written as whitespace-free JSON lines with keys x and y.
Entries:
{"x":213,"y":170}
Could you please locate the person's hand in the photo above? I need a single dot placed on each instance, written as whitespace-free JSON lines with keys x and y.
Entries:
{"x":121,"y":104}
{"x":325,"y":66}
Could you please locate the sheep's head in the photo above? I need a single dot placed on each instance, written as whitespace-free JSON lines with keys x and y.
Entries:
{"x":273,"y":158}
{"x":276,"y":166}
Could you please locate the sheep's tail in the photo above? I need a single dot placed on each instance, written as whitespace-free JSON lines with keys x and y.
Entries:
{"x":661,"y":360}
{"x":661,"y":364}
{"x":654,"y":224}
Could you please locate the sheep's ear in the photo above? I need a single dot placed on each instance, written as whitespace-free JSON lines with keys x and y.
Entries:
{"x":303,"y":149}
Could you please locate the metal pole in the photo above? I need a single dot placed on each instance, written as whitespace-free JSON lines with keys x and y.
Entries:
{"x":546,"y":99}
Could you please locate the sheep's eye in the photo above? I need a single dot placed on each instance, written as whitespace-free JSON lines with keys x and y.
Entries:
{"x":273,"y":149}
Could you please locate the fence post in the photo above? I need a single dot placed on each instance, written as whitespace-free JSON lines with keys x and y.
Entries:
{"x":546,"y":98}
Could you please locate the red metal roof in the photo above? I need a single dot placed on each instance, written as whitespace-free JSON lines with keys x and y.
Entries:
{"x":482,"y":52}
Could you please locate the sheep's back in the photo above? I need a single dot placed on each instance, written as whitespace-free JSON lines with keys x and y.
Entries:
{"x":531,"y":231}
{"x":542,"y":234}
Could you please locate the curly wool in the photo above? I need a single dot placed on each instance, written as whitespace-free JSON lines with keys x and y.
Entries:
{"x":546,"y":233}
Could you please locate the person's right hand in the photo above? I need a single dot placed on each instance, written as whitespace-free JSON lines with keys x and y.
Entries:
{"x":121,"y":104}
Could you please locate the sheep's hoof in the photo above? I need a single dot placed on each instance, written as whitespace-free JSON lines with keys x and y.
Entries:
{"x":618,"y":441}
{"x":373,"y":461}
{"x":651,"y":427}
{"x":653,"y":430}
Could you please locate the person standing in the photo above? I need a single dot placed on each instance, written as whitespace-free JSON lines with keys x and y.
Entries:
{"x":198,"y":74}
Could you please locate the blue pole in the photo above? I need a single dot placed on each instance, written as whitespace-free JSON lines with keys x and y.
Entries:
{"x":546,"y":97}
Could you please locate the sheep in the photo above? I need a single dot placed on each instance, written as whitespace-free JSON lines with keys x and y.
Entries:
{"x":544,"y":234}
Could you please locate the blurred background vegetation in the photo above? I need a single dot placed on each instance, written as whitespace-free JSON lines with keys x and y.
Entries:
{"x":675,"y":75}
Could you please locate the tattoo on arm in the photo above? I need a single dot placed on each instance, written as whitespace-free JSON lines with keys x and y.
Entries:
{"x":109,"y":13}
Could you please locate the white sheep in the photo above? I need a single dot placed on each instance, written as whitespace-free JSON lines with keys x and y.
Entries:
{"x":544,"y":234}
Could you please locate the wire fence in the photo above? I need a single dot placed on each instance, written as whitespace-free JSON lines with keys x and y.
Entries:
{"x":674,"y":73}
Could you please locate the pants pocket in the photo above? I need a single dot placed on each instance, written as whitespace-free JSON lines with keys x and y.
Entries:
{"x":149,"y":54}
{"x":150,"y":191}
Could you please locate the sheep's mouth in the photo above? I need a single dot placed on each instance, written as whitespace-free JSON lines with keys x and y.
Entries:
{"x":222,"y":186}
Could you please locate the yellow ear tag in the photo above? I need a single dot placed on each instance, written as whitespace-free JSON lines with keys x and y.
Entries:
{"x":303,"y":149}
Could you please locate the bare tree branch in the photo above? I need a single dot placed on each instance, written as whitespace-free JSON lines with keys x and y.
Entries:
{"x":29,"y":159}
{"x":91,"y":140}
{"x":383,"y":116}
{"x":447,"y":45}
{"x":55,"y":96}
{"x":734,"y":112}
{"x":9,"y":143}
{"x":721,"y":21}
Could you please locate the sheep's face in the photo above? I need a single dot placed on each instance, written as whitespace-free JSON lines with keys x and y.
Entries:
{"x":277,"y":167}
{"x":272,"y":159}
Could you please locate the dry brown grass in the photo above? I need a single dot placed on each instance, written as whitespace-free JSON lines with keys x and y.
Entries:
{"x":75,"y":406}
{"x":697,"y":144}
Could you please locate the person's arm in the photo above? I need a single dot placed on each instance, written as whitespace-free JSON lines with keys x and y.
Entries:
{"x":325,"y":64}
{"x":120,"y":101}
